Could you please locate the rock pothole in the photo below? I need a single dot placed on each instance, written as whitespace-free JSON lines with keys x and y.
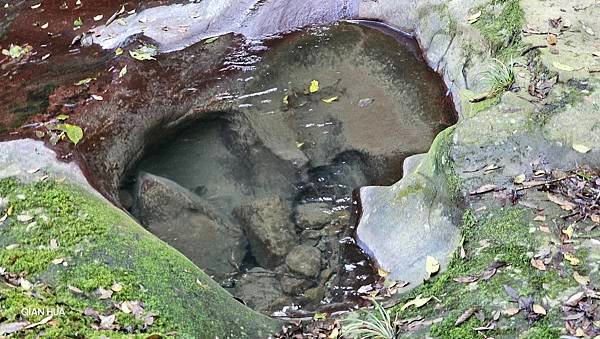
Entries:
{"x":260,"y":196}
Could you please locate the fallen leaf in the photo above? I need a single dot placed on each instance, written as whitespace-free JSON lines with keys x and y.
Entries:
{"x":211,"y":40}
{"x":432,"y":266}
{"x":465,"y":316}
{"x":44,"y":26}
{"x":118,"y":51}
{"x":583,"y":280}
{"x":484,"y":189}
{"x":25,"y":284}
{"x":467,"y":279}
{"x":74,"y":289}
{"x":564,"y":204}
{"x":511,"y":311}
{"x":9,"y":328}
{"x":544,"y":228}
{"x":98,"y":17}
{"x":573,"y":260}
{"x":539,"y":309}
{"x":416,"y":302}
{"x":314,"y":86}
{"x":551,"y":39}
{"x":58,"y":261}
{"x":74,"y":132}
{"x":569,"y":231}
{"x":473,"y":18}
{"x":144,"y":52}
{"x":329,"y":100}
{"x":581,"y":148}
{"x":36,"y":6}
{"x":78,"y":22}
{"x":596,"y":218}
{"x":334,"y":333}
{"x":574,"y":299}
{"x":123,"y":71}
{"x":286,"y":100}
{"x":562,"y":67}
{"x":116,"y":287}
{"x":382,"y":273}
{"x":539,"y":218}
{"x":97,"y":97}
{"x":84,"y":81}
{"x":539,"y":264}
{"x":104,"y":294}
{"x":519,"y":179}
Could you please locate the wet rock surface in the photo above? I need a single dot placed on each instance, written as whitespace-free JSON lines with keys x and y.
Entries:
{"x":305,"y":260}
{"x":283,"y":162}
{"x":181,"y":218}
{"x":269,"y":230}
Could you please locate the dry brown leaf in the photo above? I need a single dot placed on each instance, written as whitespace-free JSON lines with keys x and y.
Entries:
{"x":465,"y":316}
{"x":511,"y":311}
{"x":539,"y":264}
{"x":564,"y":204}
{"x":416,"y":302}
{"x":539,"y":309}
{"x":484,"y":189}
{"x":574,"y":299}
{"x":581,"y":279}
{"x":466,"y":280}
{"x":552,"y":39}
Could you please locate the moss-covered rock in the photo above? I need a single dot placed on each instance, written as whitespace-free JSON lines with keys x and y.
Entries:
{"x":69,"y":243}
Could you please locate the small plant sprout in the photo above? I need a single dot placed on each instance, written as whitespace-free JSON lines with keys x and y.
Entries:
{"x":499,"y":77}
{"x":377,"y":324}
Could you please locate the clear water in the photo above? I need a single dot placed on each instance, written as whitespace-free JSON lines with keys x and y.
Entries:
{"x":281,"y":142}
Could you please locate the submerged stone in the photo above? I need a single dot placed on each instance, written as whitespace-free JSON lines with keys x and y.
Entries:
{"x":269,"y":230}
{"x":190,"y":224}
{"x":313,"y":215}
{"x":305,"y":260}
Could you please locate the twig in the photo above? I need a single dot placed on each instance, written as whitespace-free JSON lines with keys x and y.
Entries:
{"x":549,"y":182}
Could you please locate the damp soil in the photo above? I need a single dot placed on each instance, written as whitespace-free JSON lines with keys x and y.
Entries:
{"x":278,"y":171}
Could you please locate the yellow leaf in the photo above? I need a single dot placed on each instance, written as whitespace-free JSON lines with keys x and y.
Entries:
{"x":382,"y":273}
{"x":539,"y":309}
{"x":572,"y":259}
{"x":118,"y":51}
{"x":583,"y":280}
{"x":519,"y":179}
{"x":329,"y":100}
{"x":286,"y":100}
{"x":581,"y":148}
{"x":416,"y":302}
{"x":432,"y":265}
{"x":314,"y":86}
{"x":563,"y":67}
{"x":569,"y":231}
{"x":123,"y":71}
{"x":320,"y":316}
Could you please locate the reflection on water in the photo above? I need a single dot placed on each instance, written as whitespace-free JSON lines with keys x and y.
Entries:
{"x":261,"y":196}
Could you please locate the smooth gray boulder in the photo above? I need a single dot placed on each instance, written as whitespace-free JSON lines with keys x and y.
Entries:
{"x":401,"y":225}
{"x":269,"y":230}
{"x":188,"y":223}
{"x":305,"y":260}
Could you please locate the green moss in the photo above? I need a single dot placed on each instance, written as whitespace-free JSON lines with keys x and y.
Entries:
{"x":500,"y":24}
{"x":498,"y":235}
{"x":102,"y":246}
